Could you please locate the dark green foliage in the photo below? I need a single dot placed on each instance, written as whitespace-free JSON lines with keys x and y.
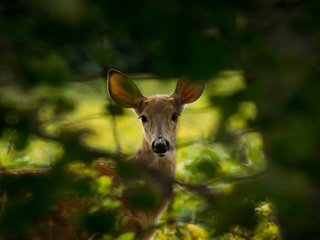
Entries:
{"x":99,"y":222}
{"x":205,"y":166}
{"x":62,"y":106}
{"x":83,"y":187}
{"x":275,"y":44}
{"x":129,"y":170}
{"x":141,"y":197}
{"x":28,"y":197}
{"x":114,"y":109}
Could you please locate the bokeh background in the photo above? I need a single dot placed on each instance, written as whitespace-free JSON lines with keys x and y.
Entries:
{"x":248,"y":157}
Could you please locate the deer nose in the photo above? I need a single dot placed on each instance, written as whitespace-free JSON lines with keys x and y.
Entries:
{"x":160,"y":145}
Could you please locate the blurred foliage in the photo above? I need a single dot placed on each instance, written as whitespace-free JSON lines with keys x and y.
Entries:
{"x":249,"y":170}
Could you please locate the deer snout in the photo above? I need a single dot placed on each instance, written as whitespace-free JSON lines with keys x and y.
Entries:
{"x":160,"y":145}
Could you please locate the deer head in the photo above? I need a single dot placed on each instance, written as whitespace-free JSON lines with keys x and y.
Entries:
{"x":159,"y":114}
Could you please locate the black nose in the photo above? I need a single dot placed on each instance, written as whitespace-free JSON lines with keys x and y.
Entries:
{"x":160,"y":145}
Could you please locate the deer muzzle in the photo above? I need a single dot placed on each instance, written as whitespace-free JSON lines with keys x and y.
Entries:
{"x":160,"y":145}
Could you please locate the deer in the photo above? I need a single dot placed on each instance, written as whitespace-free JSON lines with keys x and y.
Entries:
{"x":159,"y":116}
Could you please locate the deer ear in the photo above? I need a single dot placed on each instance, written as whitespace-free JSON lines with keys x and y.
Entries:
{"x":188,"y":92}
{"x":122,"y":90}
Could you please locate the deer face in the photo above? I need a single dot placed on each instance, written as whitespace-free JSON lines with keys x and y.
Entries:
{"x":159,"y":114}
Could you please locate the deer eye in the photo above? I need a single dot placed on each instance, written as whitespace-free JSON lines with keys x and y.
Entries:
{"x":175,"y":117}
{"x":143,"y":119}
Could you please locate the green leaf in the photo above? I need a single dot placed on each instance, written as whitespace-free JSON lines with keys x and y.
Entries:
{"x":126,"y":236}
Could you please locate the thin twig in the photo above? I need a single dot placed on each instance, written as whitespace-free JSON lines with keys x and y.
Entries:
{"x":115,"y":134}
{"x":238,"y":177}
{"x":12,"y":137}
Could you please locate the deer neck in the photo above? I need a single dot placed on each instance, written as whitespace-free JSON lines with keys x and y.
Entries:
{"x":166,"y":163}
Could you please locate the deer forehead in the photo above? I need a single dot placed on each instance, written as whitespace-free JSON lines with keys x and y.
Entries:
{"x":159,"y":104}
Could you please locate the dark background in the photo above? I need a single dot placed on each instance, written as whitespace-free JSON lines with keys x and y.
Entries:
{"x":275,"y":43}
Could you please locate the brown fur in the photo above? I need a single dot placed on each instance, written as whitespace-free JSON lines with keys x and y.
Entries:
{"x":158,"y":112}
